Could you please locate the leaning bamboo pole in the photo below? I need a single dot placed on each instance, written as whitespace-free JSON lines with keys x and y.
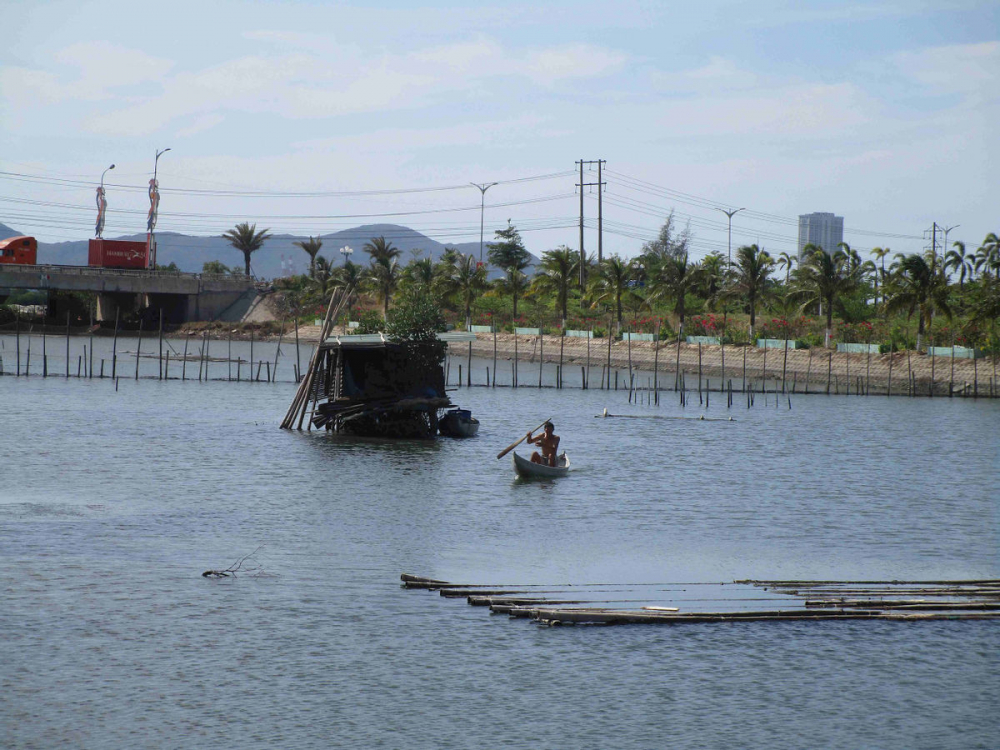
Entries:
{"x":300,"y":403}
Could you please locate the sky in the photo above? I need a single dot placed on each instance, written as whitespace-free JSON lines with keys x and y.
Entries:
{"x":312,"y":117}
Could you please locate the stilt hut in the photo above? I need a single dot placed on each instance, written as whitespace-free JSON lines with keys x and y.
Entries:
{"x":373,"y":386}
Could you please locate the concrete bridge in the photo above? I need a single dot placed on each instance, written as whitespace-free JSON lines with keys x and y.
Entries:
{"x":181,"y":296}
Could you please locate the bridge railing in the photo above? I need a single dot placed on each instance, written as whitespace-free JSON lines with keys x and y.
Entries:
{"x":139,"y":273}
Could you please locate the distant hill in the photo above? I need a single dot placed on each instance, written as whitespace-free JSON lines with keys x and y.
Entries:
{"x":278,"y":257}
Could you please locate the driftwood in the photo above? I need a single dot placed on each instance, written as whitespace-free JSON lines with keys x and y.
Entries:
{"x":246,"y":565}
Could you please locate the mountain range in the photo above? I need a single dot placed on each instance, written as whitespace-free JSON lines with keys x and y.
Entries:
{"x":278,"y":257}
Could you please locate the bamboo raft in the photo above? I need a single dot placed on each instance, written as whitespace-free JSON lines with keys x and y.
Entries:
{"x":792,"y":601}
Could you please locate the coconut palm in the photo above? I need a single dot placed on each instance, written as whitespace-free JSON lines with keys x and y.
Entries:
{"x":880,"y":253}
{"x":673,"y":278}
{"x":382,"y":278}
{"x":751,"y":279}
{"x":712,"y":275}
{"x":917,"y":287}
{"x":825,"y":280}
{"x":349,"y":278}
{"x":245,"y":238}
{"x":613,"y":280}
{"x":420,"y":275}
{"x":957,"y":260}
{"x":556,"y":274}
{"x":785,"y":261}
{"x":312,"y":247}
{"x":988,"y":256}
{"x":466,"y":280}
{"x":378,"y":248}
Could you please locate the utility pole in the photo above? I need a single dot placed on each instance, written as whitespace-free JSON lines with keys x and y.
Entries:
{"x":482,"y":210}
{"x":600,"y":217}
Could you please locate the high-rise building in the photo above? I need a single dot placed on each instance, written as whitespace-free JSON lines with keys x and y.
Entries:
{"x":825,"y":230}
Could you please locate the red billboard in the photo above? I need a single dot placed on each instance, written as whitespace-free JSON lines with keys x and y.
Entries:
{"x":118,"y":254}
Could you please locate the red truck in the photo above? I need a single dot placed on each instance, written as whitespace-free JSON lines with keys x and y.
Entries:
{"x":20,"y":250}
{"x":118,"y":254}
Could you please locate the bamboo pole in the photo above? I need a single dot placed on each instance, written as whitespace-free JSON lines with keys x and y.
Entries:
{"x":677,"y":365}
{"x":185,"y":364}
{"x":562,"y":346}
{"x":493,"y":325}
{"x":784,"y":365}
{"x":251,"y":352}
{"x":745,"y":389}
{"x":161,"y":344}
{"x":114,"y":347}
{"x":541,"y":353}
{"x":138,"y":348}
{"x":515,"y":372}
{"x":909,"y":374}
{"x":45,"y":356}
{"x":229,"y":357}
{"x":609,"y":352}
{"x":298,"y":363}
{"x":656,"y":364}
{"x":273,"y":374}
{"x":630,"y":358}
{"x":951,"y":379}
{"x":586,"y":379}
{"x":17,"y":338}
{"x":67,"y":345}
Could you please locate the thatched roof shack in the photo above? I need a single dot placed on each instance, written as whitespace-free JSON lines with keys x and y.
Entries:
{"x":368,"y":384}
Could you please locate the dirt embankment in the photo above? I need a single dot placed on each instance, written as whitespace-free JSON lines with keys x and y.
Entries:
{"x":909,"y":370}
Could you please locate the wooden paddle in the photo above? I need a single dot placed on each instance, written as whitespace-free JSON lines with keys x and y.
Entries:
{"x":512,"y":446}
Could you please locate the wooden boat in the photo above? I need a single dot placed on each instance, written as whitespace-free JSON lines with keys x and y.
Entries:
{"x":459,"y":423}
{"x":525,"y":468}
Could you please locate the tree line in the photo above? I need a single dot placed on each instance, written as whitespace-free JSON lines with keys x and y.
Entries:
{"x":662,"y":287}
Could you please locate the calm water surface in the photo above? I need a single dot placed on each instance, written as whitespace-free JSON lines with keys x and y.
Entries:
{"x":113,"y":502}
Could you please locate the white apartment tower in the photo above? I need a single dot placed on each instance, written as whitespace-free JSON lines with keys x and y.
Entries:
{"x":825,"y":230}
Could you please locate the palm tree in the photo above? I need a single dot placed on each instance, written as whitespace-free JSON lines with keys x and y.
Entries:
{"x":751,"y":280}
{"x":988,"y":256}
{"x":378,"y":248}
{"x":917,"y":287}
{"x":312,"y":247}
{"x":673,"y":278}
{"x":785,"y":261}
{"x":467,"y":280}
{"x":245,"y":238}
{"x":348,"y":277}
{"x":712,"y":275}
{"x":957,"y":260}
{"x":382,"y":277}
{"x":420,"y":275}
{"x":880,"y":253}
{"x":556,"y":273}
{"x":824,"y":279}
{"x":614,"y":278}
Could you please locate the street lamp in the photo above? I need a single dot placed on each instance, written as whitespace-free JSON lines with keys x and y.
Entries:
{"x":346,"y":251}
{"x":944,"y":250}
{"x":102,"y":205}
{"x":730,"y":215}
{"x":154,"y":201}
{"x":482,"y":209}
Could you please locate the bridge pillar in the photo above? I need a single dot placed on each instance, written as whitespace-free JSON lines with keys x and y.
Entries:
{"x":110,"y":302}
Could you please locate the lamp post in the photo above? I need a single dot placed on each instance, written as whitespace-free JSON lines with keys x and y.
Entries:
{"x":154,"y":190}
{"x":102,"y":205}
{"x":944,"y":249}
{"x":346,"y":251}
{"x":482,"y":210}
{"x":730,"y":215}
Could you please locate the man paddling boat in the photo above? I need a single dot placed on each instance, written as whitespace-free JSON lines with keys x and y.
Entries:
{"x":548,"y":442}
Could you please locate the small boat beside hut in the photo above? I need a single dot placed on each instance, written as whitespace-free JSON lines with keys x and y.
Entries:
{"x":373,"y":386}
